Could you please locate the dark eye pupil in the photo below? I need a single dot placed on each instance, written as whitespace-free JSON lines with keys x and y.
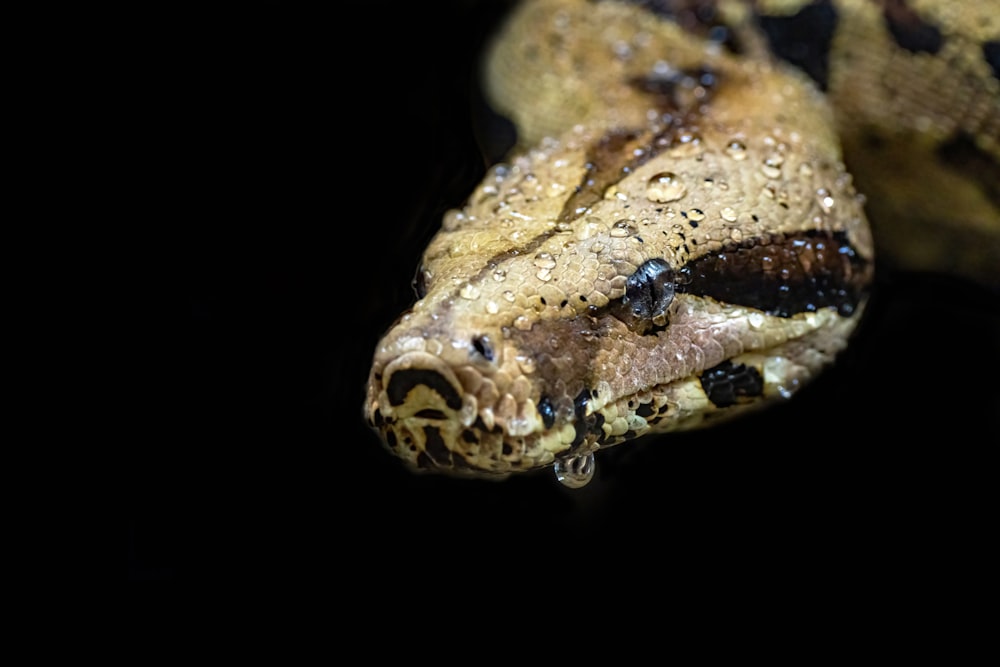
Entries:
{"x":650,"y":289}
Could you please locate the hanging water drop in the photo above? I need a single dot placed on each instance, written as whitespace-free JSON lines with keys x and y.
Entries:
{"x":825,"y":199}
{"x":575,"y":472}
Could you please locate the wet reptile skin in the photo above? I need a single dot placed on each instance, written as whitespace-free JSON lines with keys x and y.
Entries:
{"x":677,"y":240}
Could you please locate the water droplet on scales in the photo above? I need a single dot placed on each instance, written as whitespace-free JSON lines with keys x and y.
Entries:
{"x":665,"y":187}
{"x":575,"y":472}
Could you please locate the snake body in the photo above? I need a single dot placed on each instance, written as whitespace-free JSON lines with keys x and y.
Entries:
{"x":677,"y":240}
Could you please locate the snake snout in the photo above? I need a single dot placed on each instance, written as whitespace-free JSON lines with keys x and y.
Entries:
{"x":418,"y":384}
{"x":421,"y":410}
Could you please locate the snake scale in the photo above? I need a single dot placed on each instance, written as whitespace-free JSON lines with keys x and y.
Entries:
{"x":688,"y":227}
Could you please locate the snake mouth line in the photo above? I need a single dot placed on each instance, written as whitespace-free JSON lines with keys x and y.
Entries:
{"x":428,"y":418}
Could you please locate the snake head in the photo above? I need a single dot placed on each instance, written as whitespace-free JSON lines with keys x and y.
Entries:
{"x":566,"y":335}
{"x":650,"y":276}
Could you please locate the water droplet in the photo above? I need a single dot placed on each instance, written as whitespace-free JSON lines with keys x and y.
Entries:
{"x":621,"y":229}
{"x":522,"y":323}
{"x":729,"y":214}
{"x":544,"y":274}
{"x":687,"y":144}
{"x":806,"y":169}
{"x":622,"y":50}
{"x":492,"y":308}
{"x":545,"y":260}
{"x":576,"y":471}
{"x":499,"y":275}
{"x":592,"y":226}
{"x":665,"y":186}
{"x":825,"y":199}
{"x":526,"y":363}
{"x":469,"y":291}
{"x":772,"y":166}
{"x":509,"y":296}
{"x":755,"y":320}
{"x":695,"y":214}
{"x":736,"y":150}
{"x":453,"y":219}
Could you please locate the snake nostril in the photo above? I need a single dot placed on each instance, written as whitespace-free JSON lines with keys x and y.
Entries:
{"x":482,"y":345}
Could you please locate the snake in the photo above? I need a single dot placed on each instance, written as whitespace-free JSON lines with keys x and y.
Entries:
{"x":689,"y":225}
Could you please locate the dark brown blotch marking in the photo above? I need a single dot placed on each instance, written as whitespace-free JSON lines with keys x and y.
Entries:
{"x":608,"y":161}
{"x":645,"y":410}
{"x":435,"y":447}
{"x":424,"y":461}
{"x":619,"y":152}
{"x":782,"y":274}
{"x":405,"y":380}
{"x":677,"y":91}
{"x":728,"y":384}
{"x":909,"y":30}
{"x":547,"y":411}
{"x":991,"y":53}
{"x":962,"y":154}
{"x":803,"y":39}
{"x":698,"y":17}
{"x":585,"y":425}
{"x":564,"y":351}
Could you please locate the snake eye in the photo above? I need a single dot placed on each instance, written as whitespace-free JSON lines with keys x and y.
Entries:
{"x":650,"y":289}
{"x":648,"y":294}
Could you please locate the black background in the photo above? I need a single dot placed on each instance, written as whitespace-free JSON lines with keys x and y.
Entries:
{"x":311,"y":159}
